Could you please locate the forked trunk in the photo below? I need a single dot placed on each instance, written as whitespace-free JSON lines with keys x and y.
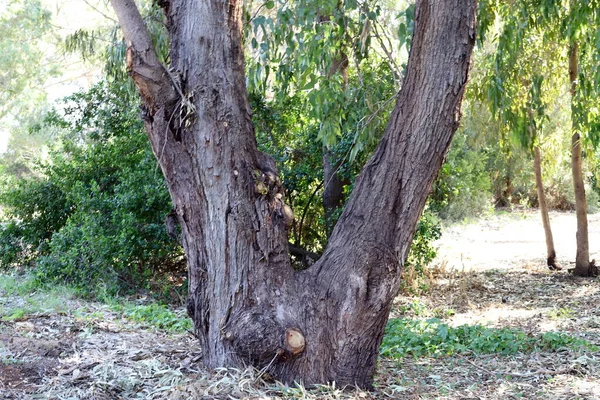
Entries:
{"x":553,"y":264}
{"x":248,"y":304}
{"x":582,"y":259}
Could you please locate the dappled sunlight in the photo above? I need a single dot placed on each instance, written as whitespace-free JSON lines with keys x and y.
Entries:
{"x":569,"y":387}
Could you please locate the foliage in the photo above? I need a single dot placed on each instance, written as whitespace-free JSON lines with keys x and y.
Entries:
{"x":96,"y":219}
{"x":24,"y":66}
{"x":155,"y":315}
{"x":34,"y":208}
{"x":328,"y":59}
{"x":529,"y":72}
{"x":287,"y":129}
{"x":463,"y":186}
{"x":421,"y":254}
{"x":433,"y":338}
{"x":303,"y":46}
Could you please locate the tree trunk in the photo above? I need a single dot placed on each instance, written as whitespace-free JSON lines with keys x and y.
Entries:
{"x":248,"y":304}
{"x":582,"y":259}
{"x":553,"y":264}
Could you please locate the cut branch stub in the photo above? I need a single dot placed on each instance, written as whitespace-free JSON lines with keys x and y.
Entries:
{"x":294,"y":341}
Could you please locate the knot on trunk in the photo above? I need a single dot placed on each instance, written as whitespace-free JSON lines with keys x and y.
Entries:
{"x":258,"y":337}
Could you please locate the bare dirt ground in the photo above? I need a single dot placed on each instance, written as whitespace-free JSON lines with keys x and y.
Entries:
{"x":88,"y":351}
{"x":514,"y":239}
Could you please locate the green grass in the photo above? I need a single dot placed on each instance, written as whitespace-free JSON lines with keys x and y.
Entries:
{"x":21,"y":296}
{"x":407,"y":337}
{"x":154,"y":315}
{"x":17,"y":285}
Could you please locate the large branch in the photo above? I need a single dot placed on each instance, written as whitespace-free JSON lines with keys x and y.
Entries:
{"x":148,"y":73}
{"x":392,"y":188}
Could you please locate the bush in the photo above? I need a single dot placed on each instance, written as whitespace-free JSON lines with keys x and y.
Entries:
{"x":94,"y":215}
{"x":463,"y":186}
{"x":34,"y":208}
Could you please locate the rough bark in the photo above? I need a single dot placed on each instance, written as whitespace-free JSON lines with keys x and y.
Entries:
{"x":583,"y":267}
{"x":552,"y":262}
{"x":248,"y":304}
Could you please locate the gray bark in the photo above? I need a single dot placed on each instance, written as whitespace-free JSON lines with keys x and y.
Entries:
{"x":248,"y":304}
{"x":551,"y":260}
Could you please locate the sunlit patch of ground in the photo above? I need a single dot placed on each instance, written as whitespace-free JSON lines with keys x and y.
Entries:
{"x":513,"y":239}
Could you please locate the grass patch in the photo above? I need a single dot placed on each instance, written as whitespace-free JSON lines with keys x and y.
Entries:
{"x":17,"y":285}
{"x":21,"y":296}
{"x":155,"y":315}
{"x":404,"y":337}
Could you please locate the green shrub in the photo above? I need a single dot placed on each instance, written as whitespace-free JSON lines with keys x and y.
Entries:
{"x":34,"y":208}
{"x":421,"y":254}
{"x":422,"y":251}
{"x":463,"y":187}
{"x":93,"y":216}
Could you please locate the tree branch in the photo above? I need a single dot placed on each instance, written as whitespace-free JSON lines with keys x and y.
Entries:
{"x":148,"y":73}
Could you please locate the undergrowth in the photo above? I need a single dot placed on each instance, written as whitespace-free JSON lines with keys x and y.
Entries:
{"x":408,"y":337}
{"x":155,"y":315}
{"x":21,"y":296}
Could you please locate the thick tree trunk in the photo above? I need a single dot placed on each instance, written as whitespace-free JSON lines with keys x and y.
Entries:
{"x":553,"y":264}
{"x":248,"y":304}
{"x":582,"y":259}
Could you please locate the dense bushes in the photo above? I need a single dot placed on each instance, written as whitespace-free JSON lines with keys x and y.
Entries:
{"x":93,"y":213}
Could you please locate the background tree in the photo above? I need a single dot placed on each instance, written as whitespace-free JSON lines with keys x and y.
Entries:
{"x":518,"y":95}
{"x":248,"y":304}
{"x":574,"y":25}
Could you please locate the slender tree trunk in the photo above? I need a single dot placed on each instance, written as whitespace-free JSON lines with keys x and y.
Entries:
{"x":248,"y":304}
{"x":582,"y":259}
{"x":553,"y":264}
{"x":333,"y":189}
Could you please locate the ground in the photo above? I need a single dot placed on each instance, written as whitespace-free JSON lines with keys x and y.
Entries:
{"x":54,"y":346}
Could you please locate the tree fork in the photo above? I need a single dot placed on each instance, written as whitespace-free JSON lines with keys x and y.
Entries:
{"x":249,"y":306}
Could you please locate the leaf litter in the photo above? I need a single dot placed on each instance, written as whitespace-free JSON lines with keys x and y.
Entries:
{"x":93,"y":352}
